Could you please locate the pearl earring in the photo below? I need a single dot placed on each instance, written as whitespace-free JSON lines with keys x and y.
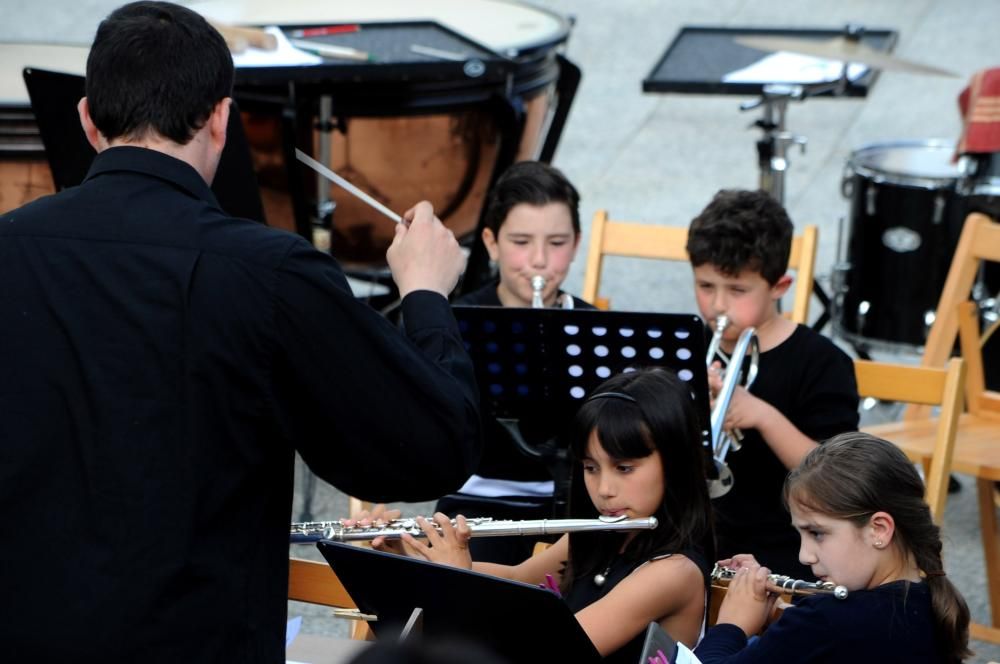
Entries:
{"x":878,"y":544}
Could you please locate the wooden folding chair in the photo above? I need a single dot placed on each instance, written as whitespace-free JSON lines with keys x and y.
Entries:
{"x":978,"y":454}
{"x":315,"y":583}
{"x":926,"y":386}
{"x":636,"y":240}
{"x":979,"y":241}
{"x":977,"y":440}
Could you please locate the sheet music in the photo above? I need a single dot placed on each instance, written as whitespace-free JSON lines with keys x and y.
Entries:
{"x":284,"y":56}
{"x":685,"y":655}
{"x":785,"y":67}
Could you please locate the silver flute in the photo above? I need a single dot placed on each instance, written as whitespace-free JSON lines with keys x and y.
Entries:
{"x":786,"y":584}
{"x":480,"y":527}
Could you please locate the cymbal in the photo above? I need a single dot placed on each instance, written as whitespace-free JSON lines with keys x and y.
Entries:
{"x":843,"y":49}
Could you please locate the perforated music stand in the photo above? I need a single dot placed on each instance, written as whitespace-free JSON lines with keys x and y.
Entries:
{"x":54,"y":96}
{"x":516,"y":620}
{"x":536,"y":366}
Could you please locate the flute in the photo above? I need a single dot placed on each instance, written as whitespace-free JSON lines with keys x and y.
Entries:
{"x":481,"y":527}
{"x":786,"y":584}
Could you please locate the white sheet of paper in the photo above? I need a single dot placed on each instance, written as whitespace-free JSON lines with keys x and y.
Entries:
{"x":285,"y":55}
{"x":785,"y":67}
{"x":685,"y":655}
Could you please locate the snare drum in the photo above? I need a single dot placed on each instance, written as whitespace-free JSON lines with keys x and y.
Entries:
{"x":904,"y":225}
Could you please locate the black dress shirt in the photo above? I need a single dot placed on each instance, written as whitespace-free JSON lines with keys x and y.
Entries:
{"x":161,"y":361}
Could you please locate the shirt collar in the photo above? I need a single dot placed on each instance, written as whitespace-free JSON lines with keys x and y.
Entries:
{"x":153,"y":163}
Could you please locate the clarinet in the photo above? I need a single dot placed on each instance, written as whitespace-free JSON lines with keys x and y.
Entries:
{"x":481,"y":527}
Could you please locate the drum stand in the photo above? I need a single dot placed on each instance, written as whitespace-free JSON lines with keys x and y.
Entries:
{"x":773,"y":147}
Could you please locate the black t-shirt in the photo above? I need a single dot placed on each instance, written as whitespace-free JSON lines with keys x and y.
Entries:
{"x":811,"y":382}
{"x":487,"y":297}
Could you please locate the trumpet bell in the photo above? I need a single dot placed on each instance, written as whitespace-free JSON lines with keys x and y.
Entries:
{"x":721,"y":485}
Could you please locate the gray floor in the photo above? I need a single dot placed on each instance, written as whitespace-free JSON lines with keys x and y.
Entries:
{"x":659,"y":158}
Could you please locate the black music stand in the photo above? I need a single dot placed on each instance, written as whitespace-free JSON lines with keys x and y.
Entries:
{"x":534,"y":368}
{"x":54,"y":96}
{"x":699,"y":58}
{"x":516,"y":620}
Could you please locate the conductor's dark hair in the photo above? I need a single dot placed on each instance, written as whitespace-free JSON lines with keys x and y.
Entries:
{"x":534,"y":183}
{"x":742,"y":230}
{"x":854,"y":475}
{"x":156,"y":67}
{"x":661,"y":418}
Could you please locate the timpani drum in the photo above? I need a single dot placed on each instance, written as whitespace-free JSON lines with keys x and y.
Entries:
{"x":414,"y":137}
{"x":905,"y":219}
{"x":24,"y":172}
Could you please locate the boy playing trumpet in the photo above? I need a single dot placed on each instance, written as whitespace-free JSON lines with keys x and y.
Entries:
{"x":805,"y":389}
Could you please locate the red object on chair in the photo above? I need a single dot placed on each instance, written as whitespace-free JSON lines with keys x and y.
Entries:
{"x":979,"y":104}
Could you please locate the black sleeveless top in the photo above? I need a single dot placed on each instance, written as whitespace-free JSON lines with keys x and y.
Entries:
{"x":585,"y":592}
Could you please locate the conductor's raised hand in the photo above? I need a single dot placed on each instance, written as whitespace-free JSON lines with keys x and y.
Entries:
{"x":446,"y":544}
{"x":424,"y":255}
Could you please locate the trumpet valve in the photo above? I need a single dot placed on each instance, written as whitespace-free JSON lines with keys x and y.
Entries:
{"x":721,"y":323}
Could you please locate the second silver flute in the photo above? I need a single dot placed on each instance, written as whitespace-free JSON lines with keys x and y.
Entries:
{"x":786,"y":584}
{"x":480,"y":527}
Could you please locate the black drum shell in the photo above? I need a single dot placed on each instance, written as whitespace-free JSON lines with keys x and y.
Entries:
{"x":903,"y":233}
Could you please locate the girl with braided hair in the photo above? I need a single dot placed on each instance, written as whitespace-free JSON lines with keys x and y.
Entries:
{"x":857,"y":503}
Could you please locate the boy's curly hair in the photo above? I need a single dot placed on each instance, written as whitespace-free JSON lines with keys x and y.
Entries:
{"x":742,"y":230}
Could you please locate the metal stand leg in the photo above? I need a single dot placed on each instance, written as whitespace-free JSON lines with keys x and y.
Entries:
{"x":307,"y":486}
{"x":772,"y":157}
{"x":325,"y":126}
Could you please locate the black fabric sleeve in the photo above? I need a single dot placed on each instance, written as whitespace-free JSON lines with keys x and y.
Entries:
{"x":379,"y":415}
{"x":802,"y":634}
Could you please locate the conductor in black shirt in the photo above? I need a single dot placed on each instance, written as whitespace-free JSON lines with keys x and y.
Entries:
{"x":162,"y":361}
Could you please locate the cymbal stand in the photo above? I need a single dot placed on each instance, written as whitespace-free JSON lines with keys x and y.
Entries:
{"x":325,"y":125}
{"x":773,"y":146}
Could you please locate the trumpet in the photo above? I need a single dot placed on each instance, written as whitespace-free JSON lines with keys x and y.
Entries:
{"x":537,"y":286}
{"x":565,"y":300}
{"x":480,"y":527}
{"x":785,"y":584}
{"x":723,"y":440}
